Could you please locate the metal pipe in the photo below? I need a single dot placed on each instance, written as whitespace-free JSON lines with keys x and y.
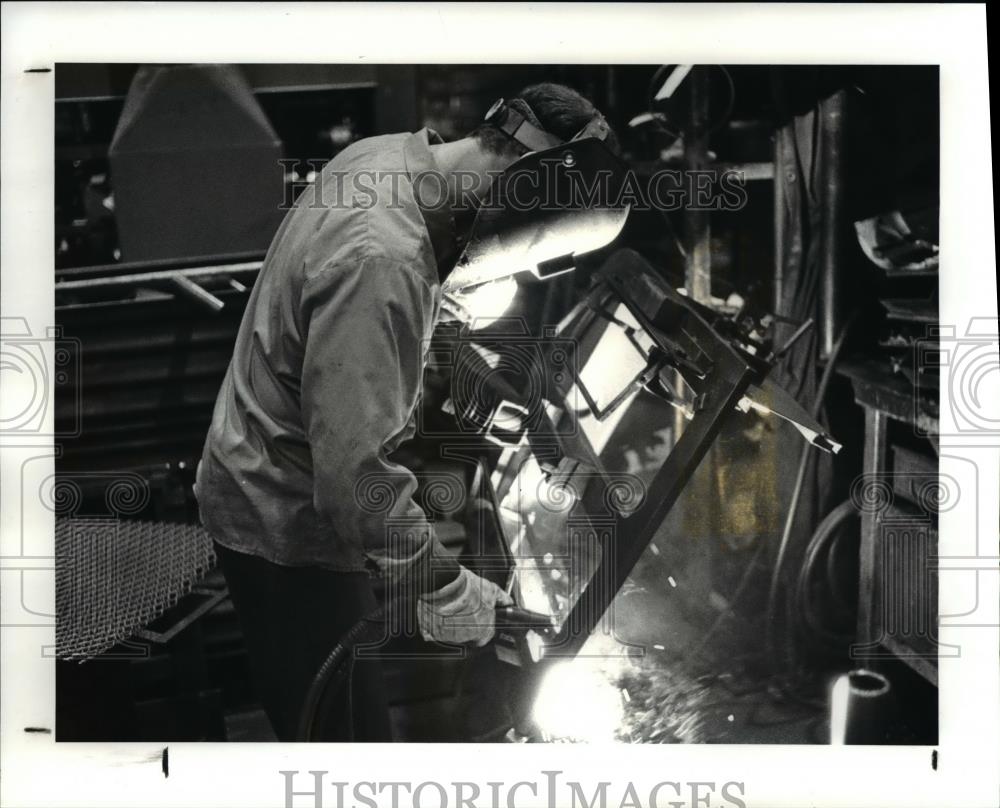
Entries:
{"x":698,"y":275}
{"x":155,"y":265}
{"x":697,"y":224}
{"x":152,"y":278}
{"x":779,"y":219}
{"x":194,"y":292}
{"x":860,"y":708}
{"x":832,"y":112}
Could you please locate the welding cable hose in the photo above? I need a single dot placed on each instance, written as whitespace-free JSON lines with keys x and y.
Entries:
{"x":744,"y":580}
{"x":337,"y":668}
{"x":842,"y":604}
{"x":827,"y":534}
{"x":793,"y":505}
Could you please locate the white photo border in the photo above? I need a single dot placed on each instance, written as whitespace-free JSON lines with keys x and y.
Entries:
{"x":36,"y":771}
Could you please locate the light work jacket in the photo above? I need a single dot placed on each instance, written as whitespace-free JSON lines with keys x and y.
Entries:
{"x":326,"y":372}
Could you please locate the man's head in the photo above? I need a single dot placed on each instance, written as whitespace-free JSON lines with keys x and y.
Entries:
{"x":553,"y":108}
{"x":540,"y":118}
{"x":472,"y":163}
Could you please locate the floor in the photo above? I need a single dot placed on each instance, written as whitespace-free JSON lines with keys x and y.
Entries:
{"x":716,"y":713}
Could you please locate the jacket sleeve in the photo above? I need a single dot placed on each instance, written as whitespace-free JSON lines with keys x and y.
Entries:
{"x":366,"y":328}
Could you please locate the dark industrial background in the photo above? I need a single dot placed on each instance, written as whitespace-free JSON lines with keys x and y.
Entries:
{"x":168,"y":190}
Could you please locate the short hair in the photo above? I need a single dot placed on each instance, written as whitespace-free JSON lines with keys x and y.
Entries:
{"x":555,"y":108}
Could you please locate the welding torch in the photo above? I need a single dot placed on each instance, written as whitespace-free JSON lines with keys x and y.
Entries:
{"x":511,"y":622}
{"x":516,"y":619}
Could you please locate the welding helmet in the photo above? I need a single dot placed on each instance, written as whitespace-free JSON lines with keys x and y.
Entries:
{"x":557,"y":202}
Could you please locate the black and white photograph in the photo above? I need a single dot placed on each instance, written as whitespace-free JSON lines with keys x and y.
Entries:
{"x":572,"y":404}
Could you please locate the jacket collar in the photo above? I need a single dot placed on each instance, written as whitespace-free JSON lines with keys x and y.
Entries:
{"x":436,"y":211}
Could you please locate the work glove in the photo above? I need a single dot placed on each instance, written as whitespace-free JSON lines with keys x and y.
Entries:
{"x":463,"y":611}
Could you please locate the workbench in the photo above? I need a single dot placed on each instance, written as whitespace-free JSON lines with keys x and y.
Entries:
{"x":897,"y":497}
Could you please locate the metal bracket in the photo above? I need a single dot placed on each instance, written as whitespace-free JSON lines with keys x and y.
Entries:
{"x":213,"y":598}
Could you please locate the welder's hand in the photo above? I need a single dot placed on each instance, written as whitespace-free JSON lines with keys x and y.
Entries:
{"x":461,"y":612}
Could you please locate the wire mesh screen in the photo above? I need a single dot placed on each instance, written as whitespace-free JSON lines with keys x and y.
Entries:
{"x":115,"y":576}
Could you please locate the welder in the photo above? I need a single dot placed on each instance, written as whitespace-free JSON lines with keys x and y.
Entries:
{"x":296,"y":482}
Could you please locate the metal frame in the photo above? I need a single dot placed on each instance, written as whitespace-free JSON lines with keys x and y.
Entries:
{"x":213,"y":597}
{"x":680,"y":331}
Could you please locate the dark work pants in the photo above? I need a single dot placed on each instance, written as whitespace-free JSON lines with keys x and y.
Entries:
{"x":292,"y":617}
